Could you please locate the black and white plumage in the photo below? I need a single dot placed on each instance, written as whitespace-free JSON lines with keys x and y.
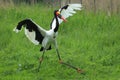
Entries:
{"x":46,"y":38}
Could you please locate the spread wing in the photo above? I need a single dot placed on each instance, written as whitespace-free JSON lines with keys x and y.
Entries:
{"x":69,"y":10}
{"x":34,"y":32}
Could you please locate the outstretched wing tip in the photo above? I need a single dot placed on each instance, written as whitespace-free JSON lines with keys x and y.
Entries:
{"x":76,"y":6}
{"x":68,"y":10}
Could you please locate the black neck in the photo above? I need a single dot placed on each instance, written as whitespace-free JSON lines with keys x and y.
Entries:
{"x":57,"y":24}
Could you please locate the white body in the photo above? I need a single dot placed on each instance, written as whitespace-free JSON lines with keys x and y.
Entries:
{"x":49,"y":36}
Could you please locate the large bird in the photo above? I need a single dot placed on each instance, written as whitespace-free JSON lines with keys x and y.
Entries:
{"x":46,"y":38}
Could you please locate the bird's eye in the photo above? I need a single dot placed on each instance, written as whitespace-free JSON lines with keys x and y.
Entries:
{"x":57,"y":13}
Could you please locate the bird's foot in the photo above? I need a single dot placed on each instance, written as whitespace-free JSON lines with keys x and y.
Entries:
{"x":79,"y":70}
{"x":41,"y":59}
{"x":60,"y":61}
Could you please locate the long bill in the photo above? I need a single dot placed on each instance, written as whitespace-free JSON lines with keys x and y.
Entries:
{"x":63,"y":19}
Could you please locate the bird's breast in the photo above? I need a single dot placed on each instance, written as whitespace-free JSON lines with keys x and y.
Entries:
{"x":51,"y":34}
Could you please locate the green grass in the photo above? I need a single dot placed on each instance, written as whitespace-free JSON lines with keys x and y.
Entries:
{"x":88,"y":41}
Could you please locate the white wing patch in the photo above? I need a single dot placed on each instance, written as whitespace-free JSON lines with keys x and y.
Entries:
{"x":31,"y":36}
{"x":69,"y":11}
{"x":16,"y":30}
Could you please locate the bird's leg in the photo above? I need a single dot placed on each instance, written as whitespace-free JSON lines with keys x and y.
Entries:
{"x":41,"y":59}
{"x":61,"y":62}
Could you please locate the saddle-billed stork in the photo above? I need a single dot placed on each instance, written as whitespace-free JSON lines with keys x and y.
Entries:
{"x":46,"y":38}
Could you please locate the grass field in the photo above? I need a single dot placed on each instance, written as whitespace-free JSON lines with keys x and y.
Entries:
{"x":88,"y":41}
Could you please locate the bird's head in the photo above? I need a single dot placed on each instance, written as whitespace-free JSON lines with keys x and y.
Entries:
{"x":57,"y":13}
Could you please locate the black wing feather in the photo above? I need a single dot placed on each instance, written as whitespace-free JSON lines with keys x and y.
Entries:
{"x":64,"y":7}
{"x":31,"y":26}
